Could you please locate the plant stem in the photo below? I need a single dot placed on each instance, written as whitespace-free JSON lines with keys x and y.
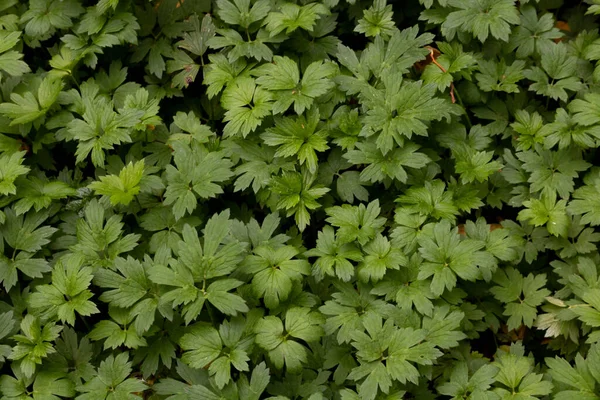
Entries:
{"x":469,"y":124}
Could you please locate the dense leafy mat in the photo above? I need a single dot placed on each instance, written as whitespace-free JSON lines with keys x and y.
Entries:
{"x":299,"y":200}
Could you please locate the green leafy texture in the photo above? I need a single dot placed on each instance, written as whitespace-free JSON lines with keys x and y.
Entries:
{"x":402,"y":109}
{"x":99,"y":243}
{"x":298,"y":137}
{"x":217,"y":350}
{"x":546,"y":211}
{"x":403,"y":50}
{"x":530,"y":129}
{"x":379,"y":257}
{"x":100,"y":129}
{"x":11,"y":167}
{"x":33,"y":344}
{"x":586,"y":202}
{"x":535,"y":34}
{"x":121,"y":189}
{"x":258,"y":167}
{"x":483,"y":17}
{"x":130,"y":288}
{"x":356,"y":223}
{"x":238,"y":47}
{"x":555,"y":76}
{"x":454,"y":61}
{"x":580,"y":380}
{"x":28,"y":107}
{"x":406,"y":289}
{"x":112,"y":381}
{"x":552,"y":172}
{"x":11,"y":60}
{"x":274,"y":272}
{"x":564,"y":131}
{"x":46,"y":385}
{"x":45,"y":16}
{"x":476,"y":165}
{"x":499,"y":77}
{"x":579,"y":240}
{"x":197,"y":173}
{"x":383,"y":167}
{"x":73,"y":355}
{"x":447,"y":256}
{"x":68,"y":294}
{"x":281,"y":78}
{"x":297,"y":195}
{"x":334,"y":257}
{"x":118,"y":331}
{"x":191,"y":191}
{"x":388,"y":354}
{"x":198,"y":275}
{"x":347,"y":309}
{"x":350,"y":187}
{"x":465,"y":382}
{"x":240,"y":13}
{"x":521,"y":294}
{"x":291,"y":17}
{"x":515,"y":372}
{"x":221,"y":72}
{"x":276,"y":337}
{"x":586,"y":111}
{"x":430,"y":200}
{"x":246,"y":104}
{"x":377,"y":20}
{"x":500,"y":244}
{"x":7,"y":323}
{"x":26,"y":236}
{"x":39,"y":193}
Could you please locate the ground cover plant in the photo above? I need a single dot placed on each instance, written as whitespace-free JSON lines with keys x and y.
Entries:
{"x":269,"y":199}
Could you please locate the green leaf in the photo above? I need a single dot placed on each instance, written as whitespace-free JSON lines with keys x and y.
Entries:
{"x":239,"y":12}
{"x":198,"y":173}
{"x":379,"y":257}
{"x":281,"y":78}
{"x":535,"y":33}
{"x":123,"y":188}
{"x":430,"y":200}
{"x":334,"y":256}
{"x":68,"y":294}
{"x":515,"y":371}
{"x":202,"y":345}
{"x":273,"y":272}
{"x":34,"y":344}
{"x":447,"y":256}
{"x":377,"y":20}
{"x":246,"y":104}
{"x":11,"y":167}
{"x":112,"y":381}
{"x":546,"y":211}
{"x":382,"y":166}
{"x":587,"y":203}
{"x":497,"y":76}
{"x":349,"y":186}
{"x":298,"y":137}
{"x":556,"y":74}
{"x":291,"y":17}
{"x":358,"y":223}
{"x":522,"y":295}
{"x":482,"y":18}
{"x":403,"y":109}
{"x":277,"y":339}
{"x":298,"y":195}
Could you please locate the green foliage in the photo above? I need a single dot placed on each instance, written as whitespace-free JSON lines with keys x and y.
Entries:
{"x":287,"y":200}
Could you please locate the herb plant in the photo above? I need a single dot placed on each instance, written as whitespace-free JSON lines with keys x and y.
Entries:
{"x":280,"y":199}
